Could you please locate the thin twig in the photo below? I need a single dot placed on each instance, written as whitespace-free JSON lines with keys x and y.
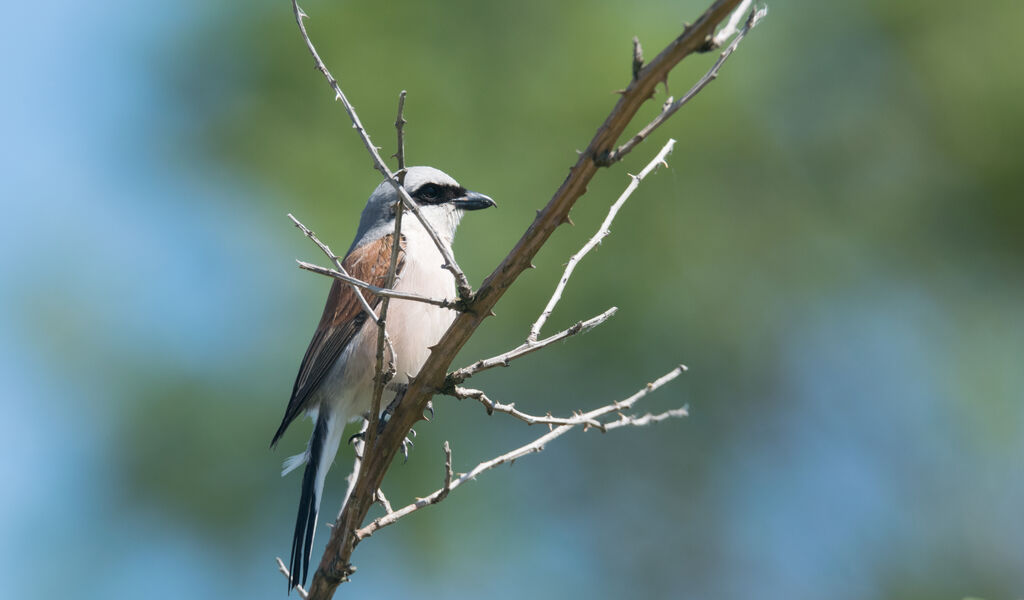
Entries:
{"x":384,"y":501}
{"x":379,"y":291}
{"x":503,"y":360}
{"x":462,"y":284}
{"x":604,"y":230}
{"x":400,"y":129}
{"x":536,"y":445}
{"x":382,"y":375}
{"x":670,"y":107}
{"x":284,"y":571}
{"x":343,"y":275}
{"x":448,"y":473}
{"x":510,"y":409}
{"x":449,"y":484}
{"x":647,"y":419}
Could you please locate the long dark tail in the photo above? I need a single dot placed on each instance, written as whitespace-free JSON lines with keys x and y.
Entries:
{"x":309,"y":503}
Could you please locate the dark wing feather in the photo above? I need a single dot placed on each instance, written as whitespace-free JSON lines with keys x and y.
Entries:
{"x":342,"y":319}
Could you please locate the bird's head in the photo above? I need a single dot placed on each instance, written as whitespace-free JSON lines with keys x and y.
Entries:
{"x":441,"y":199}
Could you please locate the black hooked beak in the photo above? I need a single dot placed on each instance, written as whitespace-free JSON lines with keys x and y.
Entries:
{"x":473,"y":201}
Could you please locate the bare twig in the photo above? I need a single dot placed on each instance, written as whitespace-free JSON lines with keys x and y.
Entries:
{"x":379,"y":291}
{"x":536,"y":445}
{"x":462,"y":284}
{"x":382,"y":375}
{"x":510,"y":409}
{"x":344,"y":276}
{"x":670,"y":107}
{"x":448,"y":473}
{"x":400,"y":129}
{"x":647,"y":419}
{"x":384,"y":501}
{"x":604,"y":230}
{"x":284,"y":571}
{"x":434,"y":498}
{"x":503,"y":360}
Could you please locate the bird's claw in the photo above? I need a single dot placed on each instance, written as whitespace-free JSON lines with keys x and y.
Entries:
{"x":406,"y":445}
{"x":385,"y":417}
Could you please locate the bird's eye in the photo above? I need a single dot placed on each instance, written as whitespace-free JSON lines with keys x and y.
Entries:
{"x":430,"y":191}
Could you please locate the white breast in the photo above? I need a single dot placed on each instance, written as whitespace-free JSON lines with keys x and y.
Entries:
{"x":412,"y":326}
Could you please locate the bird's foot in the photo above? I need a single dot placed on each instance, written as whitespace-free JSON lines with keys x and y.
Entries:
{"x":407,"y":445}
{"x":400,"y":389}
{"x":381,"y":423}
{"x":385,"y":418}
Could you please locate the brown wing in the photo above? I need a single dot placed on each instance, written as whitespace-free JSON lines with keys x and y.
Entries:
{"x":342,"y":319}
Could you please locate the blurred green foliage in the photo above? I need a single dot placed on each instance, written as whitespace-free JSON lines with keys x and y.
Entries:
{"x":835,"y":250}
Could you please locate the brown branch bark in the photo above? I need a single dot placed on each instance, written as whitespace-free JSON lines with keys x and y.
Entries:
{"x":671,"y":107}
{"x":335,"y":565}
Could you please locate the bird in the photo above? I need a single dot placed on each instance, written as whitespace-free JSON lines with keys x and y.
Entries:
{"x":335,"y":382}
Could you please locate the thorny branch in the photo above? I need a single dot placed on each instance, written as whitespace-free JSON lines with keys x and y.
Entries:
{"x":503,"y":360}
{"x":433,"y":377}
{"x":382,"y":375}
{"x":536,"y":445}
{"x":594,"y":241}
{"x":647,"y":419}
{"x":439,"y":495}
{"x":400,"y":129}
{"x":671,"y":107}
{"x":510,"y":409}
{"x":462,"y":284}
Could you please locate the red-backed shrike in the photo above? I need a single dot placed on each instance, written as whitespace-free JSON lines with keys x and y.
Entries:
{"x":335,"y":381}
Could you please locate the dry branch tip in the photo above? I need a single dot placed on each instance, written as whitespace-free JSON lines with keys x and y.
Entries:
{"x":638,"y":58}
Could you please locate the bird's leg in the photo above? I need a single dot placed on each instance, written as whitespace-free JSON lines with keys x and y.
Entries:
{"x":400,"y":389}
{"x":406,"y":442}
{"x":361,"y":434}
{"x":386,"y":416}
